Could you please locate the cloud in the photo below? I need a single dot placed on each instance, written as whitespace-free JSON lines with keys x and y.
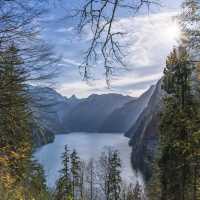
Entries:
{"x":148,"y":41}
{"x":65,"y":29}
{"x":71,"y":62}
{"x":125,"y":85}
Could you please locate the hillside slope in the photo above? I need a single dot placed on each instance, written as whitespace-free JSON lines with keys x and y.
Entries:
{"x":47,"y":107}
{"x":90,"y":113}
{"x":121,"y":120}
{"x":144,"y":133}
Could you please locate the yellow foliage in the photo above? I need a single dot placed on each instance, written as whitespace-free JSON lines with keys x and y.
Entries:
{"x":9,"y":158}
{"x":198,"y":71}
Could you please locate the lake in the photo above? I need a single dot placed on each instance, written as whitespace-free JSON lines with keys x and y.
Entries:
{"x":88,"y":145}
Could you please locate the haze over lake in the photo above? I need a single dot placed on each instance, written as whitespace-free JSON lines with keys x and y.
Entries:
{"x":88,"y":145}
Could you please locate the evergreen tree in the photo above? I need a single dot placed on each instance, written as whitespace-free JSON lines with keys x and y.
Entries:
{"x":177,"y":129}
{"x":153,"y":188}
{"x":64,"y":184}
{"x":179,"y":132}
{"x":115,"y":183}
{"x":110,"y":175}
{"x":75,"y":173}
{"x":79,"y":182}
{"x":20,"y":176}
{"x":15,"y":141}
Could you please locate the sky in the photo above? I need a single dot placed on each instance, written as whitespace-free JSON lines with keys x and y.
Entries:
{"x":149,"y":38}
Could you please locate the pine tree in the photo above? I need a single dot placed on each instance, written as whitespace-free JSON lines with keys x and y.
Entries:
{"x":179,"y":132}
{"x":110,"y":174}
{"x":177,"y":129}
{"x":115,"y":183}
{"x":64,"y":184}
{"x":75,"y":173}
{"x":173,"y":133}
{"x":178,"y":166}
{"x":15,"y":138}
{"x":18,"y":172}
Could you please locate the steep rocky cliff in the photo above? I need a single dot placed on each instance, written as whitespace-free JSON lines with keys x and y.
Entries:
{"x":121,"y":120}
{"x":144,"y":133}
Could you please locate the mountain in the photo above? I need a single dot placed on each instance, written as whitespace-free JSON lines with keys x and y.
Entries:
{"x":121,"y":119}
{"x":71,"y":105}
{"x":47,"y":107}
{"x":91,"y":112}
{"x":144,"y":133}
{"x":55,"y":114}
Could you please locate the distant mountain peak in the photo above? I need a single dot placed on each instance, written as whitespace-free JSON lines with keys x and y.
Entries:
{"x":73,"y":97}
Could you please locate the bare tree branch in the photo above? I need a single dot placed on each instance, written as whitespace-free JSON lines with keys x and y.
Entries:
{"x":99,"y":16}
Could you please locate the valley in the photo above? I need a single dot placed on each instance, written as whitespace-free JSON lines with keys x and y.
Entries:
{"x":90,"y":124}
{"x":100,"y":100}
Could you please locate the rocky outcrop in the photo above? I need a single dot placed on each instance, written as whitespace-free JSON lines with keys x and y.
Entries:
{"x":121,"y":120}
{"x":144,"y":133}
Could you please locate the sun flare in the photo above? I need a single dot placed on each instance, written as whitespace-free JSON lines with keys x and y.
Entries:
{"x":173,"y":31}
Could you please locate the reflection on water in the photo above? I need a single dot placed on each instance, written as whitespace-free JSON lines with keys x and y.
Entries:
{"x":88,"y":145}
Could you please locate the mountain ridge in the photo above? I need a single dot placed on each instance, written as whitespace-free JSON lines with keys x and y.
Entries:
{"x":127,"y":114}
{"x":144,"y":133}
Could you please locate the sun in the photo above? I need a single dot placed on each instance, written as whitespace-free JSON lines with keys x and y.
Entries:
{"x":173,"y":31}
